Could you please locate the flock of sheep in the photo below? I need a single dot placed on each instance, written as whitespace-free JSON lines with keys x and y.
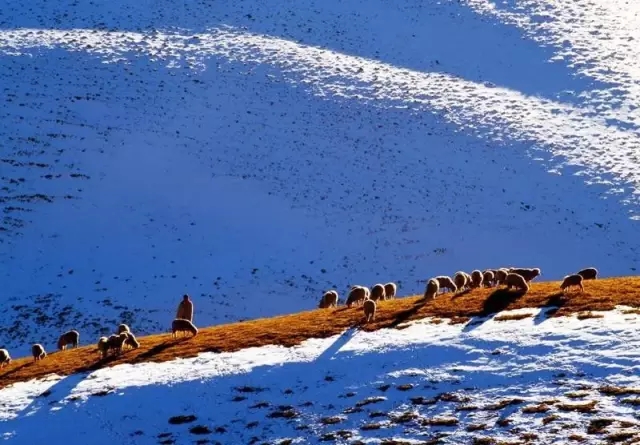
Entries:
{"x":113,"y":345}
{"x":518,"y":278}
{"x":512,"y":277}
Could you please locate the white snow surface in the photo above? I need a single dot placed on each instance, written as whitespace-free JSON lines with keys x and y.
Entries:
{"x":430,"y":371}
{"x":254,"y":154}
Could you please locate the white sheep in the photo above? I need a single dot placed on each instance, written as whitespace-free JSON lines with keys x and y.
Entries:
{"x":131,"y":341}
{"x":377,"y":292}
{"x":445,"y":282}
{"x":123,"y":328}
{"x":357,"y":295}
{"x":369,"y":307}
{"x":70,"y":337}
{"x":488,"y":277}
{"x":183,"y":325}
{"x":517,"y":281}
{"x":499,"y":276}
{"x":476,"y":279}
{"x":329,"y":299}
{"x":390,"y":290}
{"x":432,"y":289}
{"x":5,"y":358}
{"x":460,"y":280}
{"x":527,"y":274}
{"x":590,"y":273}
{"x":38,"y":352}
{"x":103,"y":346}
{"x":572,"y":280}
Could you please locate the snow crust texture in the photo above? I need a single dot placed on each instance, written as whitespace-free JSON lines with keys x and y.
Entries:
{"x":254,"y":154}
{"x":538,"y":379}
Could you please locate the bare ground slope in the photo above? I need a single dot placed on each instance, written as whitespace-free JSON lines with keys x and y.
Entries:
{"x":290,"y":330}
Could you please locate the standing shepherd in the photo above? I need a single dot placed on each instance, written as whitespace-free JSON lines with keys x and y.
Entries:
{"x":185,"y":308}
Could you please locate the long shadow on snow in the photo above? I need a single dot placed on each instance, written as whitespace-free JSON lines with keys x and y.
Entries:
{"x":553,"y":305}
{"x":52,"y":395}
{"x":308,"y":382}
{"x":498,"y":301}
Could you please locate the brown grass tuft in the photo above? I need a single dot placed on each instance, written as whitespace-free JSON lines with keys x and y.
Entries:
{"x":508,"y":317}
{"x":503,"y":404}
{"x":576,"y":394}
{"x":440,"y":421}
{"x":586,"y":407}
{"x":620,"y":437}
{"x":331,"y":420}
{"x":588,"y":314}
{"x":597,"y":426}
{"x":550,"y":418}
{"x":372,"y":426}
{"x":290,"y":330}
{"x":533,"y":409}
{"x":611,"y":390}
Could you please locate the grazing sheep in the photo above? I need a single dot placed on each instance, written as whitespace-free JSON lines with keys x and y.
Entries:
{"x":37,"y":351}
{"x":499,"y":276}
{"x":527,"y":274}
{"x":70,"y":337}
{"x":476,"y":279}
{"x":183,"y":325}
{"x":132,"y":341}
{"x":103,"y":346}
{"x":329,"y":299}
{"x":390,"y":290}
{"x":590,"y":273}
{"x":446,"y":283}
{"x":377,"y":292}
{"x":460,"y":280}
{"x":488,"y":278}
{"x":433,"y":286}
{"x":114,"y":343}
{"x":123,"y":328}
{"x":119,"y":342}
{"x":572,"y":280}
{"x":5,"y":358}
{"x":369,"y":307}
{"x":517,"y":281}
{"x":468,"y":278}
{"x":357,"y":295}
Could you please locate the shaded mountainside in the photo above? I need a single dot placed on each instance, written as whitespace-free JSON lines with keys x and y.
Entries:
{"x":254,"y":155}
{"x":468,"y":307}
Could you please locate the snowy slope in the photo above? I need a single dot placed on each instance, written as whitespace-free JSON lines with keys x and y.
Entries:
{"x":481,"y":380}
{"x":254,"y":154}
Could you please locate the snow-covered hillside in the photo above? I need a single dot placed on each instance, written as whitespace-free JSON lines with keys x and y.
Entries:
{"x":541,"y":379}
{"x":255,"y":153}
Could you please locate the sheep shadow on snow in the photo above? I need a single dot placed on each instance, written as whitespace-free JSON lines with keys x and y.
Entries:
{"x":157,"y":349}
{"x":553,"y":305}
{"x":407,"y":314}
{"x":54,"y":394}
{"x":323,"y":381}
{"x":498,"y":301}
